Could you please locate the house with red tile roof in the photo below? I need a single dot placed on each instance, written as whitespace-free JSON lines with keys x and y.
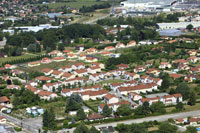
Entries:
{"x":110,"y":99}
{"x":122,"y":66}
{"x":139,"y":69}
{"x":120,"y":45}
{"x":3,"y":108}
{"x":193,"y":59}
{"x":17,"y":87}
{"x":195,"y":69}
{"x":73,"y":81}
{"x":32,"y":89}
{"x":165,"y":65}
{"x":46,"y":60}
{"x":47,"y":95}
{"x":8,"y":66}
{"x":3,"y":120}
{"x":94,"y":77}
{"x":65,"y":69}
{"x":68,"y":76}
{"x":175,"y":75}
{"x":191,"y":77}
{"x":69,"y":92}
{"x":106,"y":53}
{"x":94,"y":95}
{"x":138,"y":88}
{"x":59,"y":59}
{"x":192,"y":52}
{"x":71,"y":55}
{"x":57,"y":74}
{"x":67,"y":51}
{"x":153,"y":71}
{"x":180,"y":61}
{"x":47,"y":71}
{"x":94,"y":69}
{"x":183,"y":67}
{"x":34,"y":64}
{"x":134,"y":96}
{"x":131,"y":76}
{"x":91,"y":51}
{"x":78,"y":66}
{"x":91,"y":59}
{"x":82,"y":57}
{"x":109,"y":48}
{"x":116,"y":85}
{"x":50,"y":86}
{"x":55,"y":53}
{"x":113,"y":106}
{"x":5,"y":101}
{"x":131,"y":43}
{"x":101,"y":65}
{"x":43,"y":78}
{"x":81,"y":72}
{"x":167,"y":100}
{"x":95,"y":116}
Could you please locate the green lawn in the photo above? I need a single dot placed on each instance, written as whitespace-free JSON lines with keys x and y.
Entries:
{"x":187,"y":107}
{"x":94,"y":103}
{"x":111,"y":81}
{"x":53,"y":65}
{"x":2,"y":60}
{"x":78,"y":4}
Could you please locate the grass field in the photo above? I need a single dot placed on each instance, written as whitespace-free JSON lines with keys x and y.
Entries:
{"x":78,"y":4}
{"x":3,"y":60}
{"x":187,"y":107}
{"x":53,"y":65}
{"x":94,"y":103}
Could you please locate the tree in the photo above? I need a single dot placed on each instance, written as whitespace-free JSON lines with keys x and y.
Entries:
{"x":81,"y":114}
{"x":49,"y":119}
{"x":191,"y":129}
{"x":61,"y":47}
{"x":93,"y":130}
{"x":190,"y":27}
{"x":81,"y":128}
{"x":107,"y":111}
{"x":179,"y":106}
{"x":72,"y":105}
{"x":192,"y":99}
{"x":184,"y":90}
{"x":137,"y":128}
{"x":19,"y":51}
{"x":77,"y":98}
{"x":146,"y":108}
{"x":158,"y":107}
{"x":167,"y":128}
{"x":124,"y":110}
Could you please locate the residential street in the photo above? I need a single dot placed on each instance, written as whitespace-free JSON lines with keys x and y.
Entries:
{"x":158,"y":118}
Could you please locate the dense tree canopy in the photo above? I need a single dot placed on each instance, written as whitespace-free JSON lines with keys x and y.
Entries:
{"x":184,"y":90}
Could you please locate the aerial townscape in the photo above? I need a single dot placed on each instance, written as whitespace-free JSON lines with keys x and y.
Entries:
{"x":100,"y":66}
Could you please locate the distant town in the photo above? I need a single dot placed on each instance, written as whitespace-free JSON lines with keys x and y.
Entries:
{"x":99,"y":66}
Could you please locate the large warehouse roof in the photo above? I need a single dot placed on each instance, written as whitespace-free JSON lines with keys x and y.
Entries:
{"x":158,"y":2}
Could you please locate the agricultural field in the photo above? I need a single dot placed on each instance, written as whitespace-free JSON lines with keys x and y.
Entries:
{"x":53,"y":65}
{"x":77,"y":4}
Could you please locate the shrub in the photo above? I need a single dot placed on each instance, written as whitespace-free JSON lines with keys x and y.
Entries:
{"x":17,"y":129}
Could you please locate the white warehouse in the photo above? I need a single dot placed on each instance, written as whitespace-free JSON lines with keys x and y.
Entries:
{"x":178,"y":25}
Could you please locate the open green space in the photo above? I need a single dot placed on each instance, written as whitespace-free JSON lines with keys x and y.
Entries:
{"x":77,"y":4}
{"x":93,"y":103}
{"x":3,"y":60}
{"x":187,"y":108}
{"x":53,"y":65}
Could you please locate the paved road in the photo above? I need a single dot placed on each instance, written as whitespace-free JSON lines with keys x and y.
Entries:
{"x":29,"y":125}
{"x":158,"y":118}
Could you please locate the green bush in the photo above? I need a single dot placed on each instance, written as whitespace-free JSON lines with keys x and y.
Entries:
{"x":17,"y":129}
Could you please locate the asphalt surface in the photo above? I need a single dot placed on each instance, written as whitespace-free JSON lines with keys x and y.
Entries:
{"x":158,"y":118}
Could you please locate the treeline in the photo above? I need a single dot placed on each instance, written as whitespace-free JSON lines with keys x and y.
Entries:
{"x":23,"y":60}
{"x":86,"y":9}
{"x":140,"y":21}
{"x":50,"y":38}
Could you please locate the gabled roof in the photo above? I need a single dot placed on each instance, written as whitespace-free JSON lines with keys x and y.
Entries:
{"x":43,"y":78}
{"x":4,"y":99}
{"x":109,"y":96}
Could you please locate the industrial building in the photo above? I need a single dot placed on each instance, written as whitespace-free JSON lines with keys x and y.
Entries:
{"x":178,"y":25}
{"x":170,"y":32}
